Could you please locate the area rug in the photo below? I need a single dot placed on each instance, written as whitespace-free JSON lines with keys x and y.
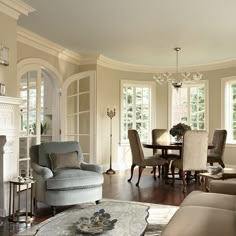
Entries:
{"x":133,"y":219}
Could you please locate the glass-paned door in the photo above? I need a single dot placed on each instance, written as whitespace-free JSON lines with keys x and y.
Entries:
{"x":78,"y":96}
{"x":30,"y":93}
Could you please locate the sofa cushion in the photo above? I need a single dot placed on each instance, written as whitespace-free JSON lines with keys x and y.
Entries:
{"x":215,"y":200}
{"x":64,"y":160}
{"x":57,"y":147}
{"x":201,"y":221}
{"x":73,"y":179}
{"x":227,"y":186}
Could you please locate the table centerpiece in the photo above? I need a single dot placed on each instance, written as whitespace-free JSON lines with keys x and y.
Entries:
{"x":178,"y":130}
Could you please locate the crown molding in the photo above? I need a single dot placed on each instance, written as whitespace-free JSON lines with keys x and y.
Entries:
{"x":89,"y":59}
{"x":123,"y":66}
{"x":212,"y":66}
{"x":34,"y":40}
{"x":118,"y":65}
{"x":14,"y":8}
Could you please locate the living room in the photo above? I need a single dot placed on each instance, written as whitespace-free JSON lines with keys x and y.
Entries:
{"x":30,"y":49}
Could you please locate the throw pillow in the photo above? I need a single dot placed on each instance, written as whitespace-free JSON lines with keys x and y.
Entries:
{"x":64,"y":160}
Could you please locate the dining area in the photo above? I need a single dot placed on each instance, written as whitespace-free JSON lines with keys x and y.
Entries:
{"x":181,"y":158}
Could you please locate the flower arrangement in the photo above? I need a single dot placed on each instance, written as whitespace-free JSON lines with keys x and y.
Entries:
{"x":178,"y":131}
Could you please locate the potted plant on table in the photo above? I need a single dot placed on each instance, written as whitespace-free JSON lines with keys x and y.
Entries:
{"x":178,"y":130}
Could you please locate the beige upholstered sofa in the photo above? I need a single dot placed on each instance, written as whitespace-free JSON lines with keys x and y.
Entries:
{"x":206,"y":214}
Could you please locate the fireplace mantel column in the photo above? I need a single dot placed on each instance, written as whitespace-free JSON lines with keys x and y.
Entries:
{"x":9,"y":147}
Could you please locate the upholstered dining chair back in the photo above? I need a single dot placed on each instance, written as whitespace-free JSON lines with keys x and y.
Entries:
{"x":136,"y":147}
{"x":159,"y":136}
{"x":218,"y":140}
{"x":194,"y":152}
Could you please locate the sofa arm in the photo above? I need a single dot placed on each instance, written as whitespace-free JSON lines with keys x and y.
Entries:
{"x":91,"y":167}
{"x":44,"y":172}
{"x":227,"y":186}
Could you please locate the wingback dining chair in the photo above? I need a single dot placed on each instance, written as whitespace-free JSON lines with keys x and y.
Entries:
{"x":162,"y":136}
{"x":138,"y":158}
{"x":194,"y":154}
{"x":217,"y":153}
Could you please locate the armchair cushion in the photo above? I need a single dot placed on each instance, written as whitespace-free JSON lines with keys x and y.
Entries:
{"x":59,"y":147}
{"x":74,"y":179}
{"x":64,"y":160}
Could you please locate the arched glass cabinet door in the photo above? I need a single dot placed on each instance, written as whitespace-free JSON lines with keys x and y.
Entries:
{"x":39,"y":112}
{"x":78,"y":97}
{"x":30,"y":92}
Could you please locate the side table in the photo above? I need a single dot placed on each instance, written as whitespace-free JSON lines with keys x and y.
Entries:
{"x":227,"y":173}
{"x":16,"y":214}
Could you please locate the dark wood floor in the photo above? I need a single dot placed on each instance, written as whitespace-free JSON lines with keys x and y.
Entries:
{"x":117,"y":187}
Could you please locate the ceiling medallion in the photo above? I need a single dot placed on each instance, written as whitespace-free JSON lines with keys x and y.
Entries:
{"x":178,"y":78}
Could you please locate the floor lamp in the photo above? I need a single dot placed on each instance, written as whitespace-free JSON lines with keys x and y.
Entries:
{"x":111,"y":114}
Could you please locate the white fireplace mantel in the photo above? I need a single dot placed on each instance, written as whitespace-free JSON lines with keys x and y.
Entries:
{"x":9,"y":135}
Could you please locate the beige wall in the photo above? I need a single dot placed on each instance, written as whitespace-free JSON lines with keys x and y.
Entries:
{"x":215,"y":109}
{"x":108,"y":94}
{"x":8,"y":39}
{"x":83,"y":68}
{"x":65,"y":68}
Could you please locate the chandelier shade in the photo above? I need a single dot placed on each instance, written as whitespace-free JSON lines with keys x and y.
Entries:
{"x":178,"y":78}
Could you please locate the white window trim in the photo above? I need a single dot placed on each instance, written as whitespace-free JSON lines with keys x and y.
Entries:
{"x":224,"y":107}
{"x":150,"y":84}
{"x":206,"y":84}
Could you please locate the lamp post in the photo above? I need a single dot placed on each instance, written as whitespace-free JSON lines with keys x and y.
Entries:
{"x":111,"y":114}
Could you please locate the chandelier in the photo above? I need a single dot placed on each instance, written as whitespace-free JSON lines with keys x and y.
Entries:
{"x":179,"y":78}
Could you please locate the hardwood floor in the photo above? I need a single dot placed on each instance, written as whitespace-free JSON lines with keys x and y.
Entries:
{"x":117,"y":187}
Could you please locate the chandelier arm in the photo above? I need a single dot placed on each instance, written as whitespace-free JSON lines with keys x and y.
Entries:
{"x":177,"y":81}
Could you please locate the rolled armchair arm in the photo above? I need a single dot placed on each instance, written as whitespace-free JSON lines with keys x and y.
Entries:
{"x":44,"y":172}
{"x":91,"y":167}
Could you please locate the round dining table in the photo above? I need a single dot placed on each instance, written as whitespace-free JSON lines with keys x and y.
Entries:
{"x":165,"y":146}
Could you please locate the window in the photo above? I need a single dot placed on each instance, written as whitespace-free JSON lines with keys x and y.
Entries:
{"x":137,"y":100}
{"x":189,"y":105}
{"x":229,"y":107}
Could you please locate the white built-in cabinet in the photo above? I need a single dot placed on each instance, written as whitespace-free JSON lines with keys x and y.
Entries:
{"x":9,"y":145}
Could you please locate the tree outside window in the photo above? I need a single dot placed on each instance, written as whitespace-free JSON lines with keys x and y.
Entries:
{"x":189,"y":106}
{"x":136,"y":110}
{"x":229,"y":95}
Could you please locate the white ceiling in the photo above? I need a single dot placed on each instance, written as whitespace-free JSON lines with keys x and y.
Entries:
{"x":139,"y":31}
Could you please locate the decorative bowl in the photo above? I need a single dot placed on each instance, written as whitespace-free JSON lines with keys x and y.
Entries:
{"x":97,"y":224}
{"x":214,"y":170}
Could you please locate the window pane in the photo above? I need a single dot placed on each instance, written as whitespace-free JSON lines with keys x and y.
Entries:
{"x":230,"y":121}
{"x":188,"y":106}
{"x":136,"y":111}
{"x":179,"y":105}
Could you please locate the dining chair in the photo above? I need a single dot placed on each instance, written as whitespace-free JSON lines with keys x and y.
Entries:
{"x":216,"y":154}
{"x":162,"y":136}
{"x":193,"y":155}
{"x":138,"y":158}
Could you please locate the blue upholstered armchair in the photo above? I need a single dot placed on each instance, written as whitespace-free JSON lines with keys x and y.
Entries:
{"x":62,"y":178}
